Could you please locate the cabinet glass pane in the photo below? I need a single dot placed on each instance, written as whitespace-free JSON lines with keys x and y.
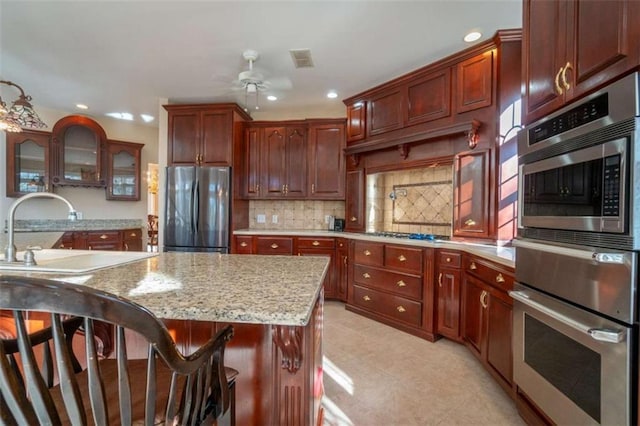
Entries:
{"x":30,"y":167}
{"x":81,"y":154}
{"x":123,"y":181}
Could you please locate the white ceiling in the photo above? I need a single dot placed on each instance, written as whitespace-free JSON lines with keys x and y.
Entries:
{"x":120,"y":56}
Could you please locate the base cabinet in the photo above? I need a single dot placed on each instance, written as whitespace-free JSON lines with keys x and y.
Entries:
{"x":448,"y":294}
{"x":118,"y":240}
{"x":486,"y":317}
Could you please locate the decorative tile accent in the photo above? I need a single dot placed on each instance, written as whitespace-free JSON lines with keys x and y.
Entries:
{"x":423,"y":203}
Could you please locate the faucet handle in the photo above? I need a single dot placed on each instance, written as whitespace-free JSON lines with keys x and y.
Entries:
{"x":73,"y":215}
{"x":29,"y":257}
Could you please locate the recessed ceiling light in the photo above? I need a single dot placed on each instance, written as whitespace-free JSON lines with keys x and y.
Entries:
{"x":81,"y":106}
{"x":121,"y":115}
{"x":472,"y":36}
{"x":147,"y":118}
{"x":272,"y":98}
{"x":332,"y":95}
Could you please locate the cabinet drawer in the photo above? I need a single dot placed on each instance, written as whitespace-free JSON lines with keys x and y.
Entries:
{"x":132,"y":234}
{"x":366,"y":253}
{"x":274,"y":245}
{"x":244,"y":245}
{"x":394,"y":282}
{"x":316,"y":243}
{"x":449,"y":259}
{"x":403,"y":258}
{"x":397,"y":307}
{"x":489,"y":273}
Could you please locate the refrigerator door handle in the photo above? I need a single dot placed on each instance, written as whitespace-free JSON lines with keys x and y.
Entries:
{"x":195,"y":209}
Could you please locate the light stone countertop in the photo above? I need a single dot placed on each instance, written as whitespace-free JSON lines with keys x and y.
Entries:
{"x":62,"y":225}
{"x":502,"y":255}
{"x":277,"y":290}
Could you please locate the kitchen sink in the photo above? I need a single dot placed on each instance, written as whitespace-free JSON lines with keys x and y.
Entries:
{"x":74,"y":261}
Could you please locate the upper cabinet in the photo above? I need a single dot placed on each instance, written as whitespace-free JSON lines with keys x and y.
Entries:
{"x":564,"y":57}
{"x":78,"y":144}
{"x":430,"y":98}
{"x":294,"y":159}
{"x":202,"y":135}
{"x":123,"y":166}
{"x":471,"y":196}
{"x":27,"y":162}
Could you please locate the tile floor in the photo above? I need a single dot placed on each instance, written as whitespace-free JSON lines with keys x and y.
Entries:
{"x":377,"y":375}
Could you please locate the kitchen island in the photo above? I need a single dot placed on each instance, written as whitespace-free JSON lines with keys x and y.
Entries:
{"x":273,"y":302}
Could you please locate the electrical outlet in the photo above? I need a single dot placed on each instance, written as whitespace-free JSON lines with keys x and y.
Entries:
{"x":327,"y":218}
{"x":274,"y":218}
{"x":79,"y":215}
{"x":261,"y":218}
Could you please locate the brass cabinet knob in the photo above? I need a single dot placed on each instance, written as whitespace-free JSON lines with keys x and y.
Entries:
{"x":401,"y":309}
{"x":448,"y":260}
{"x":367,"y":253}
{"x":103,"y":237}
{"x":499,"y":278}
{"x":401,"y":258}
{"x":473,"y":266}
{"x":61,"y":245}
{"x":366,"y":298}
{"x":401,"y":283}
{"x":470,"y":222}
{"x":315,"y":243}
{"x":274,"y":246}
{"x":353,"y":219}
{"x":243,"y":244}
{"x":366,"y":275}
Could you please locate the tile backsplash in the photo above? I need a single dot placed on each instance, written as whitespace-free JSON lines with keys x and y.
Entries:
{"x":304,"y":214}
{"x":417,"y":201}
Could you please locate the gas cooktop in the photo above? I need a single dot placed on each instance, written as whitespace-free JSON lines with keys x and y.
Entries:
{"x":411,"y":236}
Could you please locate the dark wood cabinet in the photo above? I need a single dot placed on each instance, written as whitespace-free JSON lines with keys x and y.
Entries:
{"x":28,"y":168}
{"x":203,"y":134}
{"x":123,"y":170}
{"x":475,"y":82}
{"x":308,"y":246}
{"x":387,"y":283}
{"x":448,"y":293}
{"x":355,"y":201}
{"x":472,"y":195}
{"x":326,"y":160}
{"x":284,"y":162}
{"x":564,"y":58}
{"x":252,"y":181}
{"x":342,"y":268}
{"x":385,"y":111}
{"x":356,"y":122}
{"x":429,"y":97}
{"x":486,"y":316}
{"x":78,"y":145}
{"x":118,"y":240}
{"x":273,"y":245}
{"x":243,"y":244}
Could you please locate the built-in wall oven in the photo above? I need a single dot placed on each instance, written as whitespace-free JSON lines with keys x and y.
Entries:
{"x":575,"y":299}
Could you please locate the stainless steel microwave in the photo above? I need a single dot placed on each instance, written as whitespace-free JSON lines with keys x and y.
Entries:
{"x":577,"y":171}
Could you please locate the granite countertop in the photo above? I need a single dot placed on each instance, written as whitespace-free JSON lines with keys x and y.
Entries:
{"x":61,"y":225}
{"x":278,"y":290}
{"x":502,"y":255}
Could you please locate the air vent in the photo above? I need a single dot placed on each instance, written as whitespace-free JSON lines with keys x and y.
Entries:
{"x":301,"y":58}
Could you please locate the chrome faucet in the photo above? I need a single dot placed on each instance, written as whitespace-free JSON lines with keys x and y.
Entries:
{"x":10,"y":250}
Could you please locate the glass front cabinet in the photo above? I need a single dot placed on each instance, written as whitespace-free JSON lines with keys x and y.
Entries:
{"x":123,"y":166}
{"x":27,"y":162}
{"x":78,"y":143}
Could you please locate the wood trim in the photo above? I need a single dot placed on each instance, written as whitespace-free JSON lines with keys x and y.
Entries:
{"x":209,"y":107}
{"x":289,"y":340}
{"x":374,"y":144}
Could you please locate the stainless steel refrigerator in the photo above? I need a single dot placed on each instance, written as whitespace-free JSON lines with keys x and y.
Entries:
{"x":197,"y":209}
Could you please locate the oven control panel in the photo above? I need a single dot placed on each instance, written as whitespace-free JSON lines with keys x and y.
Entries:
{"x":611,"y":187}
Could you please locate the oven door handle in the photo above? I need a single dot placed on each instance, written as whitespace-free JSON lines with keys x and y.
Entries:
{"x":599,"y":334}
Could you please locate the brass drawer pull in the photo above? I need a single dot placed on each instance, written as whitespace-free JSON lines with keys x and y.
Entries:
{"x":126,"y":247}
{"x":440,"y":280}
{"x":133,"y":234}
{"x":401,"y":309}
{"x":483,"y":299}
{"x":366,"y":298}
{"x":366,"y":275}
{"x":367,"y":253}
{"x":274,"y":246}
{"x":473,"y":266}
{"x":103,"y":237}
{"x":401,"y":258}
{"x":353,"y":219}
{"x":315,"y":243}
{"x":401,"y":283}
{"x":499,"y":278}
{"x":243,"y":244}
{"x":470,"y":222}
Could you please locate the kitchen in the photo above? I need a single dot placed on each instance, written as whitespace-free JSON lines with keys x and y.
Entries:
{"x":373,"y":155}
